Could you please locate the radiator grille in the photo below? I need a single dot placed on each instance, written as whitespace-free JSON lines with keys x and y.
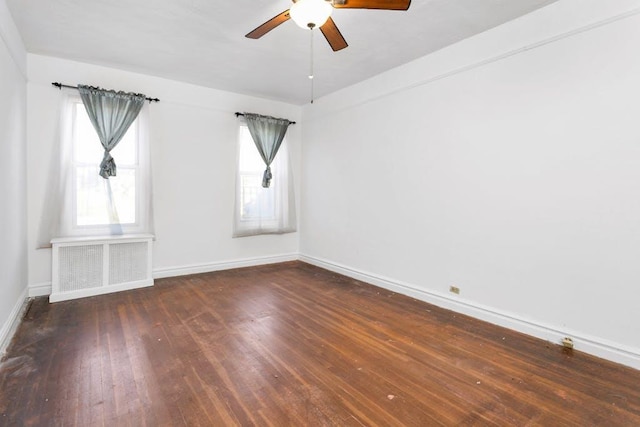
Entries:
{"x":80,"y":267}
{"x":127,"y":262}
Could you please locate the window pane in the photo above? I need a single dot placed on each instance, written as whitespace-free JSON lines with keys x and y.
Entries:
{"x":256,"y":202}
{"x":123,"y":187}
{"x":125,"y":152}
{"x":92,"y":196}
{"x":87,"y":146}
{"x":250,"y":160}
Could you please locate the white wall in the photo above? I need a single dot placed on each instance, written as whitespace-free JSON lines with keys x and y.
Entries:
{"x":193,"y":150}
{"x":507,"y":165}
{"x":13,"y":203}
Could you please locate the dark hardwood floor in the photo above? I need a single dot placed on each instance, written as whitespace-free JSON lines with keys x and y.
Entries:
{"x":293,"y":345}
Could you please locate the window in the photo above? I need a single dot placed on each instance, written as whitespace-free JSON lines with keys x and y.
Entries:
{"x":256,"y":202}
{"x":78,"y":201}
{"x":90,"y":192}
{"x":262,"y":210}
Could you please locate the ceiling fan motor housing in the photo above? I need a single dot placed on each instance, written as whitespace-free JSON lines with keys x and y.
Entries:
{"x":310,"y":13}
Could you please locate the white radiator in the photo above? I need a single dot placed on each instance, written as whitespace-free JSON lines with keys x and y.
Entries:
{"x":85,"y":267}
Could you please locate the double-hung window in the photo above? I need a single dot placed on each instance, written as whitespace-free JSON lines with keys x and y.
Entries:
{"x":79,"y":202}
{"x":98,"y":202}
{"x":262,"y":210}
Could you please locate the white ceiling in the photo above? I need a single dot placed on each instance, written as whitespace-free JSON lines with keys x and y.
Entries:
{"x":202,"y":41}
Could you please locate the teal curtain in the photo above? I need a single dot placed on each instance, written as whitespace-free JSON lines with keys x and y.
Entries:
{"x":111,"y":114}
{"x":267,"y":133}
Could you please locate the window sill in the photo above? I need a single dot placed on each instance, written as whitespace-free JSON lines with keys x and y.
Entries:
{"x":102,"y":238}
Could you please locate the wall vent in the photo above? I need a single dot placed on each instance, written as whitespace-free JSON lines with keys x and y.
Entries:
{"x":85,"y":267}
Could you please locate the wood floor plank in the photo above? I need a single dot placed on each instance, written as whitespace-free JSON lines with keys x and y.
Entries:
{"x":291,"y":345}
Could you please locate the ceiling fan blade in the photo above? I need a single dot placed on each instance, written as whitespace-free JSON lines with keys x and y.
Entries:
{"x":269,"y":25}
{"x":333,"y":35}
{"x":372,"y":4}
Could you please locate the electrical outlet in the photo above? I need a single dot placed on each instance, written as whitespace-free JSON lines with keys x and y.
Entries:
{"x":454,"y":289}
{"x":567,"y":343}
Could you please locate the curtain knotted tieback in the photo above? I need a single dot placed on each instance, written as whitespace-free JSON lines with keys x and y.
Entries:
{"x":266,"y":178}
{"x":107,"y":166}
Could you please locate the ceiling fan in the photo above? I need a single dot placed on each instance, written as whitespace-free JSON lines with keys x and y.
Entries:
{"x":316,"y":13}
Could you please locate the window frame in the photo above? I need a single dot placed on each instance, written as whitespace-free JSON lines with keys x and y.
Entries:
{"x":75,"y":165}
{"x":257,"y":174}
{"x":283,"y":218}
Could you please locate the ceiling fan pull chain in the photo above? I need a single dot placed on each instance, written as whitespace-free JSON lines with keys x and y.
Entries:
{"x":311,"y":63}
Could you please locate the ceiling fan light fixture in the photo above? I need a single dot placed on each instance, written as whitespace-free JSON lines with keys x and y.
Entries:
{"x":310,"y":13}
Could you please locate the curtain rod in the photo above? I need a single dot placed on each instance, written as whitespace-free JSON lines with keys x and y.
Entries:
{"x":242,"y":114}
{"x":60,"y":86}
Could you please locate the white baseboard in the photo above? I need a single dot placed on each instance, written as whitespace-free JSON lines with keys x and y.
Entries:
{"x":593,"y":345}
{"x":222,"y":265}
{"x":40,"y":290}
{"x":11,"y":324}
